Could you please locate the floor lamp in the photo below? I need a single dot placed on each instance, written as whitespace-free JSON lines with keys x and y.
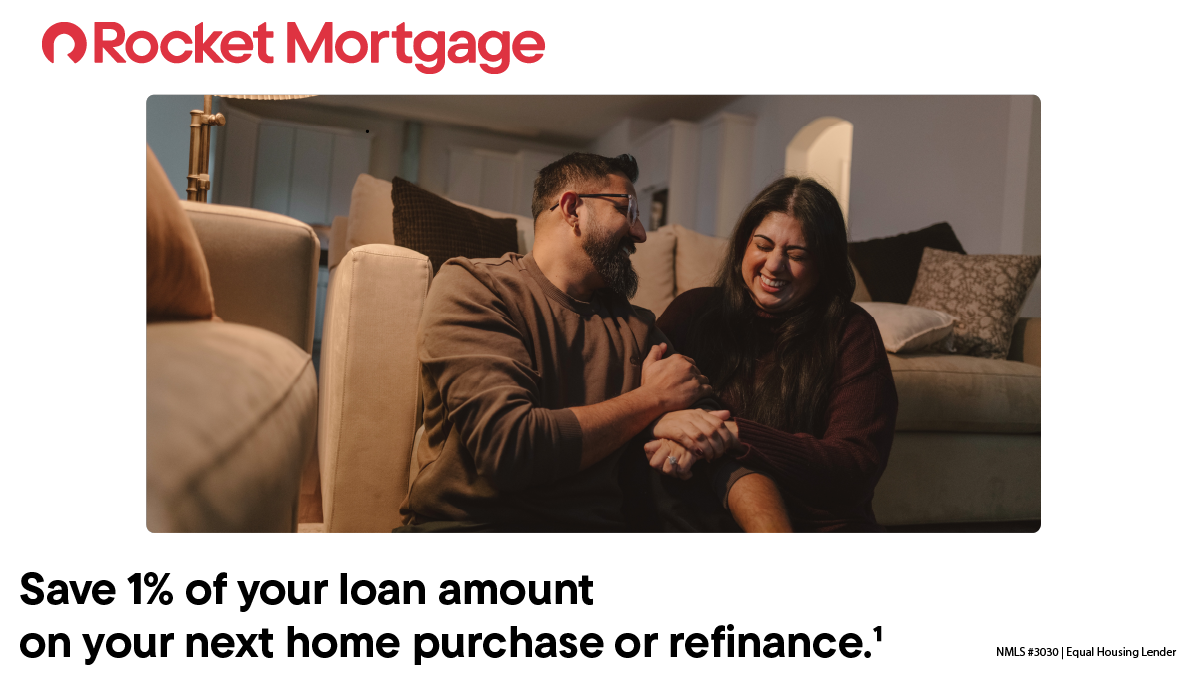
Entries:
{"x":198,"y":179}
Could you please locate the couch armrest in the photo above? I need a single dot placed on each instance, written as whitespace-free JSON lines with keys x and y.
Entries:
{"x":370,"y":399}
{"x":1027,"y":341}
{"x":263,"y":268}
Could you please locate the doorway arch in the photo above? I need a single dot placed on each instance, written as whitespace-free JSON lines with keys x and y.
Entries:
{"x":822,"y":150}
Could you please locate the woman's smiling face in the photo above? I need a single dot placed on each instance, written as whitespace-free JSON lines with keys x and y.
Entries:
{"x":777,"y":267}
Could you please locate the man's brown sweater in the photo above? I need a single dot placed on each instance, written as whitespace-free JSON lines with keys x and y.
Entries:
{"x":504,"y":355}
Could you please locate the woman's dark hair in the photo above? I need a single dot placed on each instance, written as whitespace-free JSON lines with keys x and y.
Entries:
{"x":792,"y":392}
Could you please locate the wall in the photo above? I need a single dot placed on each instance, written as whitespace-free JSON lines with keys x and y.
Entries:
{"x":620,"y":137}
{"x":168,"y":133}
{"x":387,"y":134}
{"x":1031,"y":243}
{"x":918,"y":160}
{"x":439,"y":141}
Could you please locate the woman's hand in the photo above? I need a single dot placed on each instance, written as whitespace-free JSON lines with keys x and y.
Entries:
{"x":675,"y":381}
{"x":661,"y":452}
{"x":705,"y":433}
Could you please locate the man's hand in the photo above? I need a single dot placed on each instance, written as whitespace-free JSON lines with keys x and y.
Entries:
{"x":703,"y":432}
{"x":660,"y":452}
{"x":676,"y":381}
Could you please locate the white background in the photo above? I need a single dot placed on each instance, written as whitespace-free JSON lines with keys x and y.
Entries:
{"x":1112,"y":565}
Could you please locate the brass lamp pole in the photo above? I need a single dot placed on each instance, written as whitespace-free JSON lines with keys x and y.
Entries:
{"x":203,"y":120}
{"x":198,"y":180}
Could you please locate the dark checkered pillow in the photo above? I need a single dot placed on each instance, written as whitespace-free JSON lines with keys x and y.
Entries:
{"x":433,"y":226}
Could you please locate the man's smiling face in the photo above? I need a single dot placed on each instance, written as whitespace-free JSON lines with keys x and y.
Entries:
{"x":608,"y":237}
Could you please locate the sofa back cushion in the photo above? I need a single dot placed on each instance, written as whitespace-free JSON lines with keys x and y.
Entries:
{"x":337,"y":240}
{"x":654,"y":262}
{"x":698,"y":258}
{"x":177,"y":282}
{"x":370,"y":219}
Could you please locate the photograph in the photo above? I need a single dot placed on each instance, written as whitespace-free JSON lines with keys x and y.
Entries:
{"x":845,"y":290}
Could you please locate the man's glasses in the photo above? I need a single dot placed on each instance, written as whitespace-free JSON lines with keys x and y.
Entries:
{"x":631,"y":205}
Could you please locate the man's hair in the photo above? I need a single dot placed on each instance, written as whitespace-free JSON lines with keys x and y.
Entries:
{"x":577,"y":170}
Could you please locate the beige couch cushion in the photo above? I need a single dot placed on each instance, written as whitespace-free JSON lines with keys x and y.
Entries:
{"x":337,"y":240}
{"x":697,"y":258}
{"x":654,"y":262}
{"x":231,"y":412}
{"x":370,"y":394}
{"x":938,"y":477}
{"x":967,"y":394}
{"x":263,"y":268}
{"x":370,"y":219}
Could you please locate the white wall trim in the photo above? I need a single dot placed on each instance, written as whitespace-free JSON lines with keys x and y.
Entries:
{"x":1016,"y":174}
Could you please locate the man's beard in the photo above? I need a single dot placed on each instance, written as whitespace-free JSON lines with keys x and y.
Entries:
{"x":611,"y":263}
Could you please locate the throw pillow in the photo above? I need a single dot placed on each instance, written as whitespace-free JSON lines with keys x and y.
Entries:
{"x":177,"y":283}
{"x":984,"y":292}
{"x":889,"y":265}
{"x":698,"y":258}
{"x":908,"y":328}
{"x":654,"y":262}
{"x":524,"y":224}
{"x":860,"y":288}
{"x":429,"y":224}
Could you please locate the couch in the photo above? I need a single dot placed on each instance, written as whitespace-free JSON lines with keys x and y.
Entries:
{"x":967,"y":448}
{"x":231,"y":404}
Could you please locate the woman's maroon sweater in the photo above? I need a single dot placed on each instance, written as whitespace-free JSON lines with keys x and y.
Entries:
{"x":828,"y":481}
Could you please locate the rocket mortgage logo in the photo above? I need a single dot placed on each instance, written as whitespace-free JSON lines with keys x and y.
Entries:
{"x":428,"y":51}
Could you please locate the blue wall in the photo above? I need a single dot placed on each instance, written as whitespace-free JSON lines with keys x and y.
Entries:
{"x":168,"y":124}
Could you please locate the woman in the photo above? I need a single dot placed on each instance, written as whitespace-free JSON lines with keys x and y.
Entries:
{"x":802,"y":369}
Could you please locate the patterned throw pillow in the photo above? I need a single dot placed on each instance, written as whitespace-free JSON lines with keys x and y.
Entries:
{"x":984,"y":292}
{"x":429,"y":224}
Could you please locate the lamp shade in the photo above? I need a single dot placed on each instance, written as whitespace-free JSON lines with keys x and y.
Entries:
{"x":266,"y":97}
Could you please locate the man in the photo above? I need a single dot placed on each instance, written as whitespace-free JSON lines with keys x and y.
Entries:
{"x":536,"y":371}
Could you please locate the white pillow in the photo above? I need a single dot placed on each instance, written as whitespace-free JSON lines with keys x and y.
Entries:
{"x":908,"y":328}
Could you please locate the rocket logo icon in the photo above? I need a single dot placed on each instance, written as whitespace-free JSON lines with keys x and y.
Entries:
{"x":70,"y":30}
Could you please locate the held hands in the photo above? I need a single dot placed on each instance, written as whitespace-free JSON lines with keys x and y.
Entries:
{"x":704,"y":433}
{"x":675,"y":381}
{"x":686,"y":437}
{"x":662,"y":452}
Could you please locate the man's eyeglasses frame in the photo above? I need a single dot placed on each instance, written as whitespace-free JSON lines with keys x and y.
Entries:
{"x":631,"y":207}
